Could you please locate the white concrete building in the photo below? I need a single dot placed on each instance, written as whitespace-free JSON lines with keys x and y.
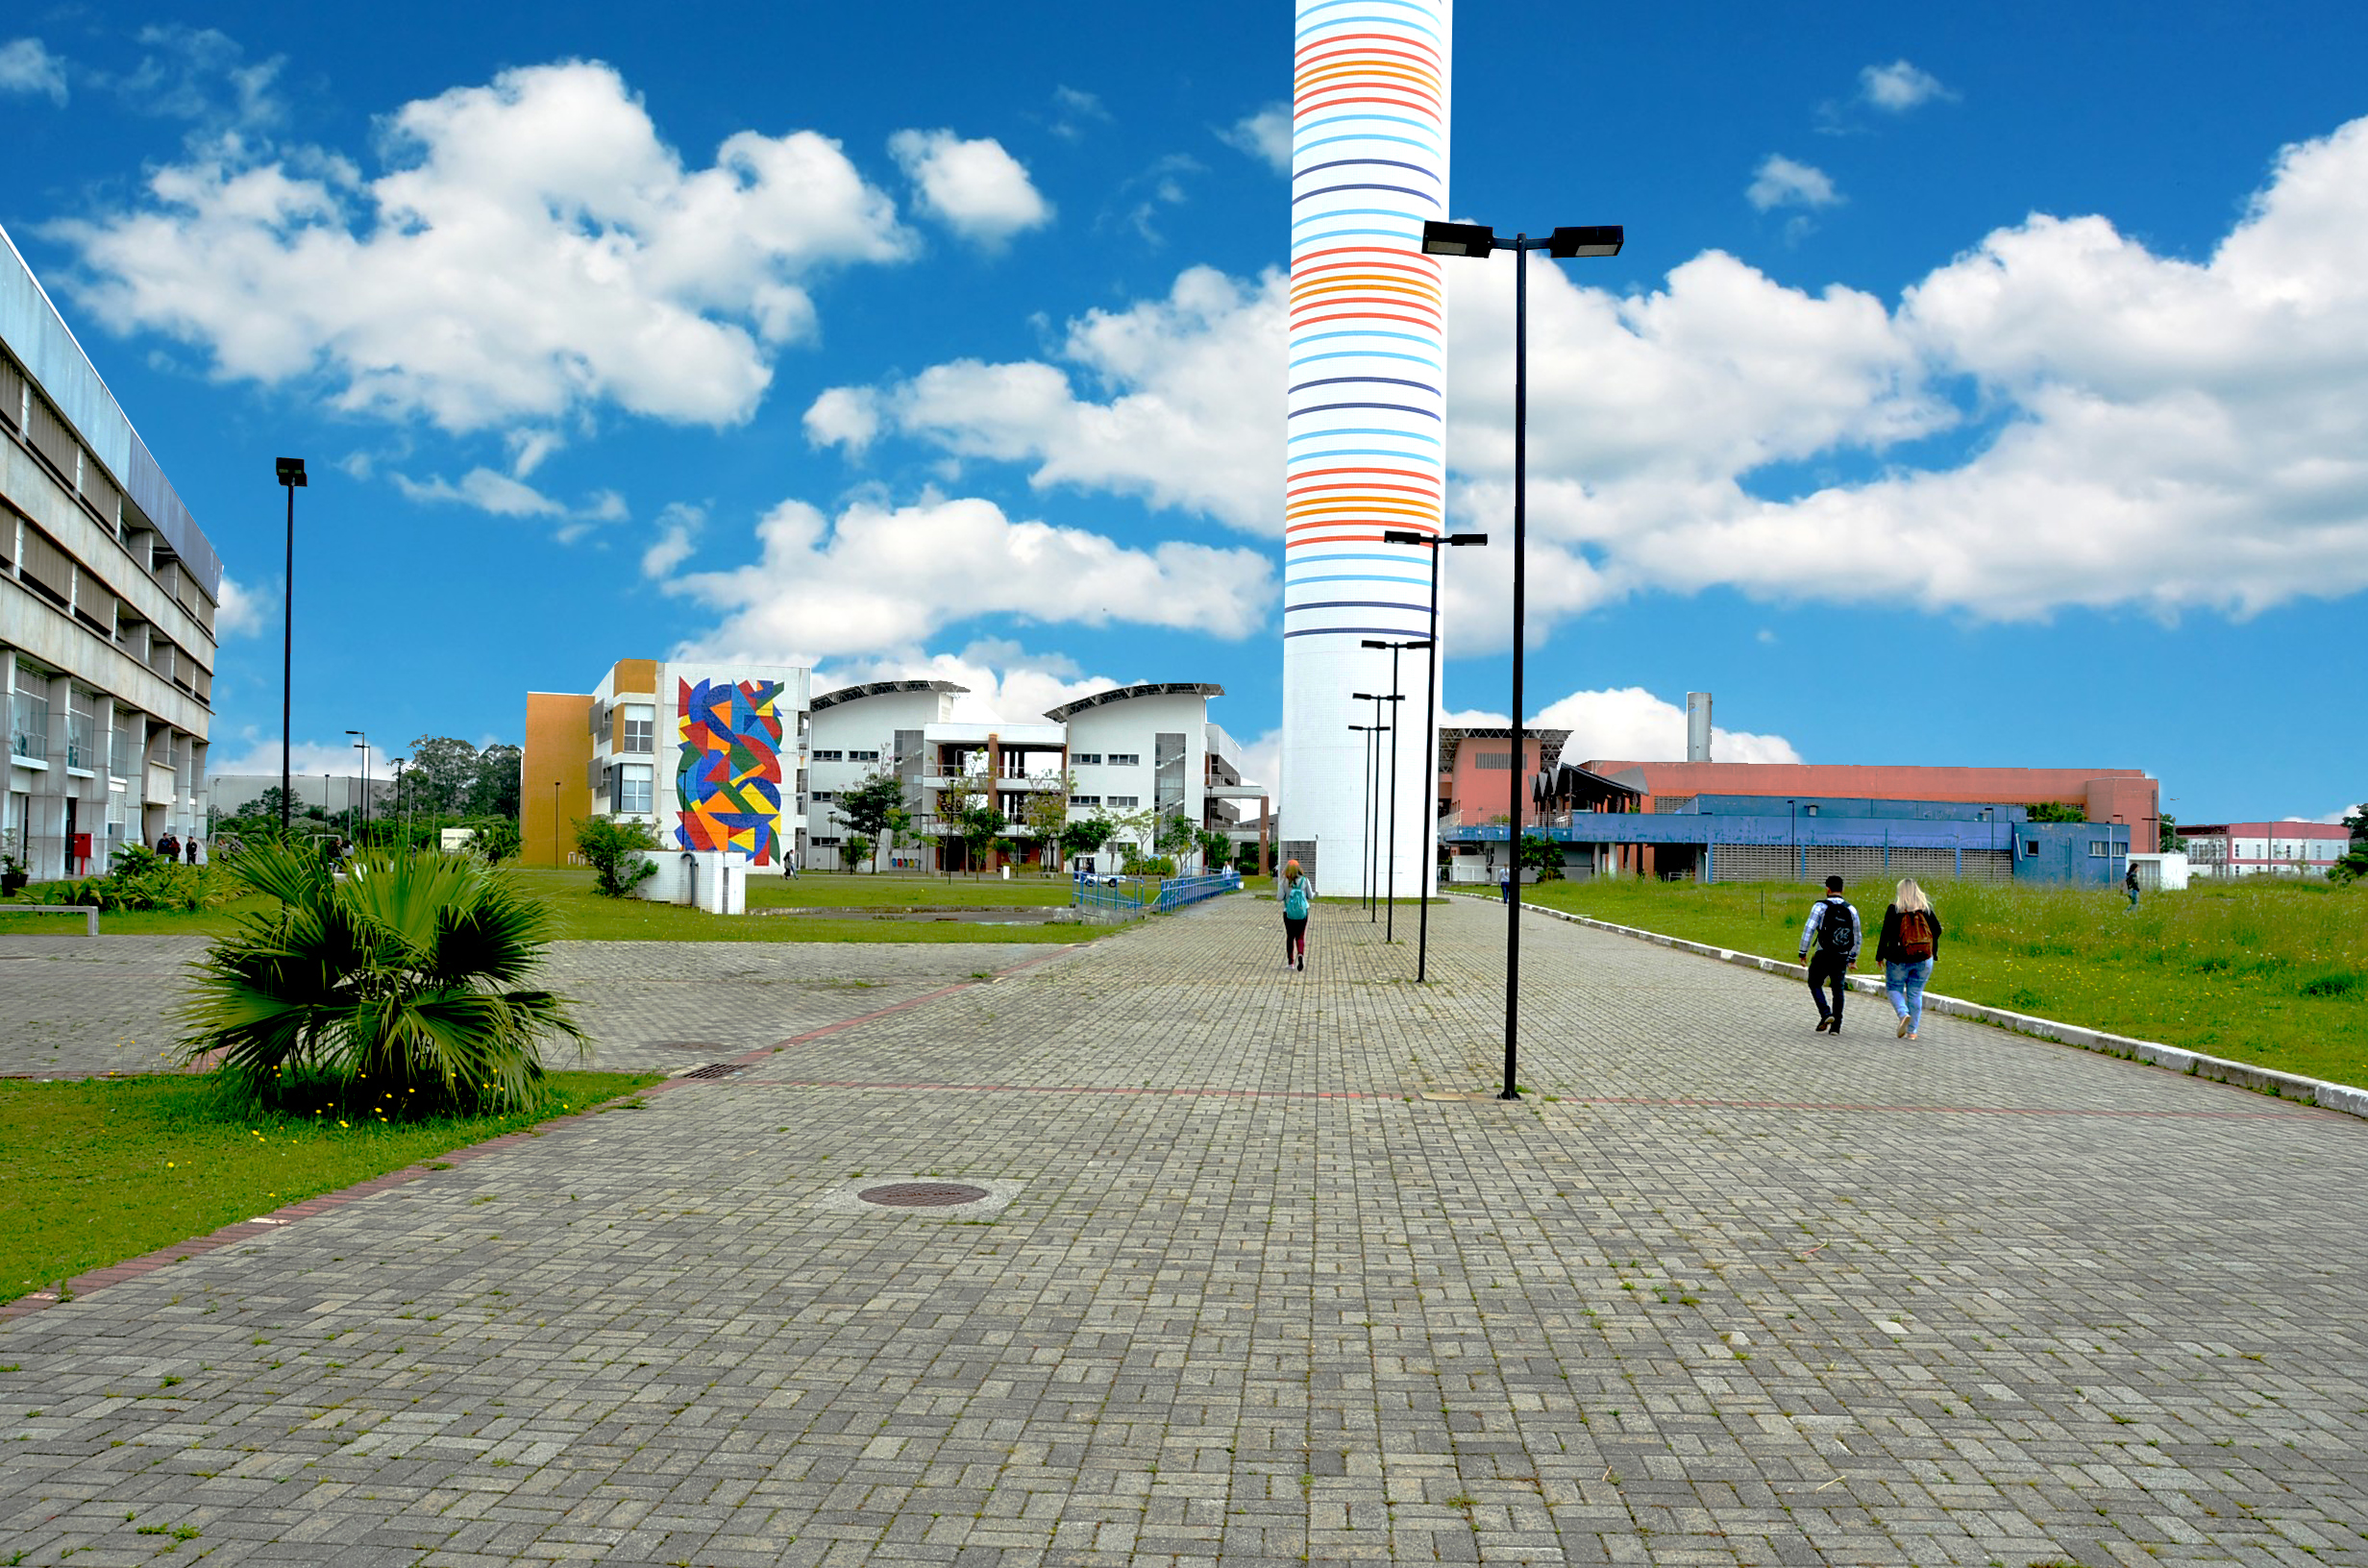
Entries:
{"x":108,"y":591}
{"x":2228,"y":850}
{"x":858,"y":732}
{"x":1132,"y":749}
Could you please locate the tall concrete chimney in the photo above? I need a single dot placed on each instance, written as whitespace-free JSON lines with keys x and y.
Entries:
{"x":1698,"y":726}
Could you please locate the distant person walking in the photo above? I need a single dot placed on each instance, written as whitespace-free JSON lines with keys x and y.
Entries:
{"x":2129,"y":883}
{"x":1832,"y":929}
{"x":168,"y":845}
{"x":1909,"y":947}
{"x":1299,"y":896}
{"x":194,"y":852}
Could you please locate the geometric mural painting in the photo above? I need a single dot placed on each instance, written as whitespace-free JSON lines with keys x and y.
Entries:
{"x":727,"y":777}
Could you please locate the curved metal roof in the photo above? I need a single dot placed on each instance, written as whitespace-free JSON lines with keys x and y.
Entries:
{"x":853,"y":693}
{"x":1123,"y":693}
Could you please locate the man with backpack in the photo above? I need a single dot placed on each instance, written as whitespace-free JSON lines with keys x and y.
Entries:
{"x":1832,"y":929}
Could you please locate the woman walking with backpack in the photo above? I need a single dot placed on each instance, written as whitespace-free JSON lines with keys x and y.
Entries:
{"x":1298,"y":894}
{"x":1910,"y":942}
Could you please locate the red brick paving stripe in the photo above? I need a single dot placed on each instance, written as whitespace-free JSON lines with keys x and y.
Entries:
{"x":247,"y":1229}
{"x":1418,"y":1095}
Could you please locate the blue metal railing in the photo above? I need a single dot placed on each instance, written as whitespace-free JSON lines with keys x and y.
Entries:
{"x":1131,"y":898}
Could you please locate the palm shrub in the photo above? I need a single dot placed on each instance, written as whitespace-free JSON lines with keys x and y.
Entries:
{"x":397,"y":984}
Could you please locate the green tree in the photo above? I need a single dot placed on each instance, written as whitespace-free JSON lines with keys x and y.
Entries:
{"x":496,"y":838}
{"x":1214,"y":849}
{"x":2058,"y":811}
{"x":1542,"y":855}
{"x":900,"y":823}
{"x":1178,"y":835}
{"x":855,"y":848}
{"x":2357,"y":823}
{"x":1046,"y":815}
{"x":441,"y":772}
{"x":493,"y":792}
{"x":2172,"y":841}
{"x":977,"y":825}
{"x":404,"y":975}
{"x":615,"y":850}
{"x":1087,"y":835}
{"x":867,"y":808}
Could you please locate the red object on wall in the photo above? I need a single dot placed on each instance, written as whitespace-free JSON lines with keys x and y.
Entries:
{"x":82,"y":847}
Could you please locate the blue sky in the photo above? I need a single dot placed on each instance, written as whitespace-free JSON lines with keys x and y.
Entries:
{"x":1979,"y":384}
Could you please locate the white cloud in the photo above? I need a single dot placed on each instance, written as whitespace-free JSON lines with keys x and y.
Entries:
{"x":535,"y":249}
{"x":202,"y":75}
{"x":27,"y":67}
{"x":1074,"y":110}
{"x":1006,"y":683}
{"x":1265,"y":135}
{"x":1782,"y":181}
{"x":1899,"y":87}
{"x":877,"y":579}
{"x":528,"y":448}
{"x":975,"y":187}
{"x":843,"y":416}
{"x":2152,"y":431}
{"x":486,"y":491}
{"x":1194,"y":410}
{"x":240,"y":612}
{"x":306,"y":758}
{"x":678,"y":531}
{"x":1628,"y":723}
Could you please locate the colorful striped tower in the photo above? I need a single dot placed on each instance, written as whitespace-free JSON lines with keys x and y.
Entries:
{"x":1366,"y":423}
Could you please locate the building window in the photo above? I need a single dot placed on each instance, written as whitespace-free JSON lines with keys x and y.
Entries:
{"x":826,"y":796}
{"x":27,"y":725}
{"x":1087,"y":759}
{"x":1085,"y":800}
{"x":1493,"y":761}
{"x":1120,"y":759}
{"x":1167,"y":772}
{"x":2097,"y":849}
{"x":638,"y":733}
{"x":863,"y":756}
{"x":1126,"y":802}
{"x":2030,"y":847}
{"x":633,"y":786}
{"x":826,"y":756}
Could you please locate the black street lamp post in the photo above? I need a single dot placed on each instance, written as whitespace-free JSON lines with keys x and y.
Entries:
{"x":1372,"y":803}
{"x":291,"y":470}
{"x":362,"y":745}
{"x":1397,"y":722}
{"x":1364,"y":824}
{"x":1477,"y":239}
{"x":1430,"y":730}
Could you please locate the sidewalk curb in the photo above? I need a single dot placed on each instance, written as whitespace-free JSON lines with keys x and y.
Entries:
{"x":2347,"y":1098}
{"x":248,"y":1230}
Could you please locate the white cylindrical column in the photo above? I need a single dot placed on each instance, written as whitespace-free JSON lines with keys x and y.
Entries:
{"x":1366,"y":422}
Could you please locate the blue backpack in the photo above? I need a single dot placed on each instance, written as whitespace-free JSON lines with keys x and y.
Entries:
{"x":1295,"y":902}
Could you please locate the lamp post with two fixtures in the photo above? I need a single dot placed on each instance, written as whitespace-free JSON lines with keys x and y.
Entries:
{"x":1365,"y":822}
{"x":1372,"y":801}
{"x":362,"y":745}
{"x":1479,"y":240}
{"x":1435,"y":543}
{"x":291,"y":471}
{"x":1397,"y":722}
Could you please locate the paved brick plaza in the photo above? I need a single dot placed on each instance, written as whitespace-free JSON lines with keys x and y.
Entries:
{"x":1717,"y":1290}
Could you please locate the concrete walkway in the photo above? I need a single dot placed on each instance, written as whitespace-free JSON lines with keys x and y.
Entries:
{"x":1253,"y":1282}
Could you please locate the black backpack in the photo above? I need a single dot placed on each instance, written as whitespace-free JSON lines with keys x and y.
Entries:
{"x":1838,"y":932}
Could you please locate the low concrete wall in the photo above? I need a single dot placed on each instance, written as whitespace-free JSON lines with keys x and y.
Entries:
{"x":2287,"y":1086}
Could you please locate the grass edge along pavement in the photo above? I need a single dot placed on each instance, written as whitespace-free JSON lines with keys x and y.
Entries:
{"x":2328,"y":1094}
{"x":131,"y":1267}
{"x":119,"y":1158}
{"x":863,"y":908}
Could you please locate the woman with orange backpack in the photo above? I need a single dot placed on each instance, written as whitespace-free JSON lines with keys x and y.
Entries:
{"x":1910,"y":942}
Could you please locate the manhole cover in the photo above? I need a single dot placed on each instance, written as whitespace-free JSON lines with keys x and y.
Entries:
{"x":717,"y":1070}
{"x":921,"y":1194}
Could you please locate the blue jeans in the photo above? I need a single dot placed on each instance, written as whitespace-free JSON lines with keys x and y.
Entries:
{"x":1904,"y":983}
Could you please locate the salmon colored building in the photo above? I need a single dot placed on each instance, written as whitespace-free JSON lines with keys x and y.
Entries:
{"x":2106,"y":794}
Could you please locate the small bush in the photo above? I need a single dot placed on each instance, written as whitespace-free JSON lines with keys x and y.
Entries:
{"x":615,"y":850}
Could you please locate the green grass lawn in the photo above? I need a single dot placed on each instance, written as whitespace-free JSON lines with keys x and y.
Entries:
{"x":103,"y":1169}
{"x":580,"y":914}
{"x":2271,"y":972}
